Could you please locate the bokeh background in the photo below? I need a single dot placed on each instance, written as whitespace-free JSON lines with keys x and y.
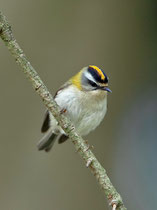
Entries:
{"x":59,"y":38}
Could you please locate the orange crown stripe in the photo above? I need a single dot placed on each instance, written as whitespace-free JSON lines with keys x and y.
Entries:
{"x":99,"y":71}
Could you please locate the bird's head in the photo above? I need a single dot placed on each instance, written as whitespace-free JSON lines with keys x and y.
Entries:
{"x":91,"y":78}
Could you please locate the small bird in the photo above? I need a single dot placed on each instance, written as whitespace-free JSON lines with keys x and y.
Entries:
{"x":83,"y":99}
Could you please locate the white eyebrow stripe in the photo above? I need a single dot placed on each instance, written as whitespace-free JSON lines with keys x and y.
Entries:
{"x":90,"y":77}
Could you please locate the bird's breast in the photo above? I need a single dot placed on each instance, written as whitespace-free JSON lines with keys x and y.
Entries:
{"x":84,"y":110}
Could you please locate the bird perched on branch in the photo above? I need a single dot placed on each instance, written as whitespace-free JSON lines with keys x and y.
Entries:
{"x":83,"y":99}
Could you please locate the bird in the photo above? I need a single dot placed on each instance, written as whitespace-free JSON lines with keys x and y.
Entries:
{"x":83,"y":99}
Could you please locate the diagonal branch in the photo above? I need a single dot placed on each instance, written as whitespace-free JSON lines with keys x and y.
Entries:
{"x":113,"y":197}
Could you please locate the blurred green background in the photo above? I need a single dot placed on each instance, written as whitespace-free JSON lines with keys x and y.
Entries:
{"x":59,"y":38}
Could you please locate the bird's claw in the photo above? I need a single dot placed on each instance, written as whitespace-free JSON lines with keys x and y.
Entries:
{"x":62,"y":111}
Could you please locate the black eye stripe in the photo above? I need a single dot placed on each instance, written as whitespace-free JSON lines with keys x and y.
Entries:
{"x":93,"y":84}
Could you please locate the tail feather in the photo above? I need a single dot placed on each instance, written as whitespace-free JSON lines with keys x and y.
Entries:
{"x":47,"y":142}
{"x":62,"y":138}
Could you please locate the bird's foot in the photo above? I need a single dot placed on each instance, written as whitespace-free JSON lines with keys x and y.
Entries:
{"x":63,"y":111}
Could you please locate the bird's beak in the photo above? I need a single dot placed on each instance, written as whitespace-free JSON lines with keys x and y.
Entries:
{"x":107,"y":89}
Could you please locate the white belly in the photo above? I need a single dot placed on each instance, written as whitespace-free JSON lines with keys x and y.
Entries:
{"x":84,"y":111}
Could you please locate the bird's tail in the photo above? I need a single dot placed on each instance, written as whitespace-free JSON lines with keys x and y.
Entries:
{"x":47,"y":141}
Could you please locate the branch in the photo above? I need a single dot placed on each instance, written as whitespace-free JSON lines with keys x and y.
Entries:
{"x":113,"y":197}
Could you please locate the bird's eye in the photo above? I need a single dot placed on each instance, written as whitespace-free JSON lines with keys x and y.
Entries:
{"x":93,"y":84}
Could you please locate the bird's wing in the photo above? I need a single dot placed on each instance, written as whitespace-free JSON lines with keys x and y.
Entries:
{"x":67,"y":84}
{"x":46,"y":122}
